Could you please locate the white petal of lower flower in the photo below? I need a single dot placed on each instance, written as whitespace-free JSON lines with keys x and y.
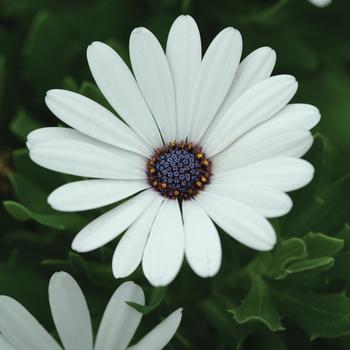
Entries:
{"x":285,"y":174}
{"x":128,"y":254}
{"x":164,"y":250}
{"x":153,"y":76}
{"x":184,"y":54}
{"x":90,"y":194}
{"x":202,"y":242}
{"x":93,"y":120}
{"x":255,"y":106}
{"x":118,"y":85}
{"x":70,"y":312}
{"x":321,"y":3}
{"x":161,"y":335}
{"x":239,"y":220}
{"x":256,"y":67}
{"x":263,"y":143}
{"x":120,"y":320}
{"x":111,"y":224}
{"x":214,"y":78}
{"x":4,"y":345}
{"x":84,"y":156}
{"x":268,"y":201}
{"x":21,"y":329}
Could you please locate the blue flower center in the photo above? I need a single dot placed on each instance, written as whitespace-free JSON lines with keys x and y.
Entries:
{"x":178,"y":170}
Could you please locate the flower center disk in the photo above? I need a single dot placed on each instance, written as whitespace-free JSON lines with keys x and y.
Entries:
{"x":179,"y":170}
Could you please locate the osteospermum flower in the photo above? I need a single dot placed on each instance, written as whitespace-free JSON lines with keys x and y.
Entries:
{"x":203,"y":139}
{"x":19,"y":330}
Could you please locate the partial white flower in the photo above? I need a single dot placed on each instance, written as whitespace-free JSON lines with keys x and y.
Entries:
{"x":203,"y":139}
{"x":19,"y":330}
{"x":321,"y":3}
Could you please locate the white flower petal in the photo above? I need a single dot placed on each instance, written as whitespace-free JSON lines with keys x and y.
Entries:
{"x":296,"y":115}
{"x":202,"y":242}
{"x":4,"y":345}
{"x":239,"y":220}
{"x":129,"y":251}
{"x":76,"y":154}
{"x":90,"y":194}
{"x":153,"y":76}
{"x":120,"y":320}
{"x":184,"y":54}
{"x":112,"y":223}
{"x":263,"y":143}
{"x":161,"y":335}
{"x":255,"y":106}
{"x":214,"y":78}
{"x":321,"y":3}
{"x":93,"y":120}
{"x":21,"y":329}
{"x":285,"y":174}
{"x":70,"y":312}
{"x":49,"y":133}
{"x":118,"y":85}
{"x":256,"y":67}
{"x":164,"y":250}
{"x":285,"y":135}
{"x":267,"y":201}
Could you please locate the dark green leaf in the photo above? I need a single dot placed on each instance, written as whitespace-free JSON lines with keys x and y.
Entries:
{"x":258,"y":306}
{"x":60,"y":221}
{"x":320,"y":315}
{"x":22,"y":124}
{"x":156,"y":298}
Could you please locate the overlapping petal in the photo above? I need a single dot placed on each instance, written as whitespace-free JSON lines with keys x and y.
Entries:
{"x":239,"y":220}
{"x":164,"y":250}
{"x":112,"y":223}
{"x":184,"y":54}
{"x":153,"y":76}
{"x":118,"y":85}
{"x":90,"y":194}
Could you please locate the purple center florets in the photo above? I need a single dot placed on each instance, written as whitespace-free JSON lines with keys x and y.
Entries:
{"x":178,"y":170}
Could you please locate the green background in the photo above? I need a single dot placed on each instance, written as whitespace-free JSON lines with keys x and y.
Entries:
{"x":294,"y":297}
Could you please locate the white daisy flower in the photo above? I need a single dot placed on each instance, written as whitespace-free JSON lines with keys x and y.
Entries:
{"x":204,"y":139}
{"x":19,"y":330}
{"x":320,"y":3}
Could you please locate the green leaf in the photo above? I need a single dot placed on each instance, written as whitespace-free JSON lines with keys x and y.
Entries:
{"x":321,"y":264}
{"x":91,"y":91}
{"x":156,"y":298}
{"x":258,"y":306}
{"x":326,"y":211}
{"x":29,"y":194}
{"x":320,"y":315}
{"x":57,"y":220}
{"x":23,"y":124}
{"x":47,"y":179}
{"x":287,"y":252}
{"x":2,"y":80}
{"x":319,"y":245}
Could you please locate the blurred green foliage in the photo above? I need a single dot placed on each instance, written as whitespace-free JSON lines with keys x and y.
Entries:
{"x":296,"y":296}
